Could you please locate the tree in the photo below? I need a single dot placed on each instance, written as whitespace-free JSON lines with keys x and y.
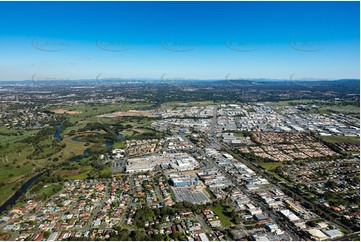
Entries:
{"x":143,"y":215}
{"x":177,"y":236}
{"x":46,"y":234}
{"x":123,"y":234}
{"x":311,"y":223}
{"x":160,"y":237}
{"x":331,"y":184}
{"x":138,"y":235}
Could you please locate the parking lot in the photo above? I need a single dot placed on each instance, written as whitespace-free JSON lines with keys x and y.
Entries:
{"x":190,"y":195}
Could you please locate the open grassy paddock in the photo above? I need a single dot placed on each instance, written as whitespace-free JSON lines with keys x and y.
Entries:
{"x":339,"y":139}
{"x":225,"y":220}
{"x":270,"y":166}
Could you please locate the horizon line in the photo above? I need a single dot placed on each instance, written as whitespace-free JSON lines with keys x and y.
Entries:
{"x":121,"y":79}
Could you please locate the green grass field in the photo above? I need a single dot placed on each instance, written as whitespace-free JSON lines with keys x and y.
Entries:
{"x":238,"y":134}
{"x":119,"y":144}
{"x":186,"y":104}
{"x":107,"y":171}
{"x":325,"y":109}
{"x":339,"y":139}
{"x":288,"y":103}
{"x":322,"y":107}
{"x":76,"y":174}
{"x":15,"y":167}
{"x":49,"y":189}
{"x":128,"y":133}
{"x":347,"y":107}
{"x":270,"y":166}
{"x":225,"y":220}
{"x":92,"y":110}
{"x":210,"y":193}
{"x":81,"y":176}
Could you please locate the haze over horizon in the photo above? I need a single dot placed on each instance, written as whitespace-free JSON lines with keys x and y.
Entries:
{"x":185,"y":41}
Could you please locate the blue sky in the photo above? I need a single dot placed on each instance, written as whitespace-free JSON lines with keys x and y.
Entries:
{"x":179,"y":40}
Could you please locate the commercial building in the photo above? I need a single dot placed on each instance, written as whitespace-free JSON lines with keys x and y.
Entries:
{"x":203,"y":237}
{"x":139,"y":165}
{"x":184,"y":181}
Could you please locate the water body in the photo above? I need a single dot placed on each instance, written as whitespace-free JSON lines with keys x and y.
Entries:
{"x":20,"y":192}
{"x":78,"y":140}
{"x":86,"y":153}
{"x":120,"y":136}
{"x":108,"y":143}
{"x":57,"y":132}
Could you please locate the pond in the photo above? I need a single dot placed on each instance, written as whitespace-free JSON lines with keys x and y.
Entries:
{"x":120,"y":136}
{"x":108,"y":143}
{"x":78,"y":140}
{"x":86,"y":153}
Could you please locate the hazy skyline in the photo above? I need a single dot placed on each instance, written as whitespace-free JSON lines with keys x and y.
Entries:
{"x":179,"y":40}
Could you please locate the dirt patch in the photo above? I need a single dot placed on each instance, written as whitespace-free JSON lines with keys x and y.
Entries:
{"x":128,"y":113}
{"x":140,"y":130}
{"x":65,"y":111}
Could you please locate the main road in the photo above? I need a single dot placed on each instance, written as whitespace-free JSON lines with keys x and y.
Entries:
{"x":214,"y":121}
